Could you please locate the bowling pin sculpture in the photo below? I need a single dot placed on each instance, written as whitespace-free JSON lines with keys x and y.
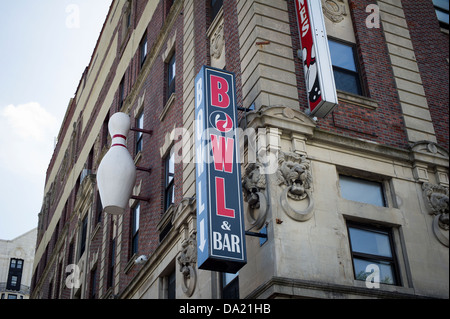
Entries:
{"x":116,"y":174}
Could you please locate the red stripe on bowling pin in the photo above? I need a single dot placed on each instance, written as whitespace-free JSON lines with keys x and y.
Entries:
{"x":119,"y":136}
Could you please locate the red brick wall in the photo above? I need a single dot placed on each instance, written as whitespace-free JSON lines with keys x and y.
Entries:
{"x":385,"y":124}
{"x":155,"y":87}
{"x":431,"y":49}
{"x":152,"y":184}
{"x":232,"y":47}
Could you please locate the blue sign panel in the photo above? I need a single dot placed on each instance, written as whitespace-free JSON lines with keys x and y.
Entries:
{"x":220,"y":213}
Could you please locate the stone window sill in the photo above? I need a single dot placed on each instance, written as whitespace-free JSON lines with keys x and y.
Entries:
{"x":166,"y":108}
{"x":357,"y":100}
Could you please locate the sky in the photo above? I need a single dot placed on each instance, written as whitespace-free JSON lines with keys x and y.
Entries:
{"x":45,"y":45}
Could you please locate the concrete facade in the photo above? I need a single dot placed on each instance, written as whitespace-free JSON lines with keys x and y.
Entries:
{"x":390,"y":135}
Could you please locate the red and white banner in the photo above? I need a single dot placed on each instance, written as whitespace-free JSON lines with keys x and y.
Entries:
{"x":319,"y":77}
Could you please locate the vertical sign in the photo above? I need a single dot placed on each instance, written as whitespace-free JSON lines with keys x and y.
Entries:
{"x":319,"y":77}
{"x":220,"y":218}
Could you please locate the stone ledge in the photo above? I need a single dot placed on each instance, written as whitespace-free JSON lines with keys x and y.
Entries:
{"x":357,"y":100}
{"x":282,"y":287}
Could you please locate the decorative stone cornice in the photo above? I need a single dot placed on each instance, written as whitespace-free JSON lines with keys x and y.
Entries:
{"x":284,"y":118}
{"x":429,"y":152}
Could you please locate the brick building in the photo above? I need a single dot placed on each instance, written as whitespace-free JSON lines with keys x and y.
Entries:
{"x":377,"y":166}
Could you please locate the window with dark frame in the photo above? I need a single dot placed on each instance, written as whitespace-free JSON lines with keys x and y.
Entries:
{"x":99,"y":208}
{"x":171,"y":73}
{"x":58,"y":281}
{"x":373,"y":245}
{"x":70,"y":256}
{"x":121,"y":92}
{"x":112,"y":262}
{"x":105,"y":131}
{"x":50,"y":290}
{"x":171,"y":286}
{"x":135,"y":216}
{"x":143,"y":49}
{"x":93,"y":284}
{"x":83,"y":237}
{"x":169,"y":168}
{"x":216,"y":5}
{"x":345,"y":69}
{"x":442,"y":12}
{"x":139,"y":135}
{"x":362,"y":190}
{"x":15,"y":274}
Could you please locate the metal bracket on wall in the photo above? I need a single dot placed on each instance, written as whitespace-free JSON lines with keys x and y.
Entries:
{"x":253,"y":234}
{"x":140,"y":130}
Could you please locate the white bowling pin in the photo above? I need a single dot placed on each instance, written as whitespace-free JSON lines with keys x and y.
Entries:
{"x":116,"y":174}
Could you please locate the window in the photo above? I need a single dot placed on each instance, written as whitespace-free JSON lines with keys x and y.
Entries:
{"x":128,"y":14}
{"x":171,"y":72}
{"x":230,"y":286}
{"x":105,"y":131}
{"x":346,"y":75}
{"x":83,"y":236}
{"x":99,"y":208}
{"x":58,"y":280}
{"x":169,"y":168}
{"x":167,"y":282}
{"x":121,"y":92}
{"x":135,"y":228}
{"x":50,"y":290}
{"x":70,"y":257}
{"x":112,"y":261}
{"x":143,"y":49}
{"x":442,"y":11}
{"x":139,"y":135}
{"x":373,"y":245}
{"x":15,"y":274}
{"x":171,"y":286}
{"x":93,"y":290}
{"x":166,"y":229}
{"x":361,"y":190}
{"x":215,"y":8}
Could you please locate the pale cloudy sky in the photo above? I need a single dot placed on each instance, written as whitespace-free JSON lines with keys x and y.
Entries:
{"x":45,"y":46}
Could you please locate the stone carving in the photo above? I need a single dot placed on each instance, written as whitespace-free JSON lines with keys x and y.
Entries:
{"x":429,"y":147}
{"x":217,"y":42}
{"x":334,"y":10}
{"x":187,"y":260}
{"x":186,"y":203}
{"x":436,"y":201}
{"x":294,"y":173}
{"x":253,"y":182}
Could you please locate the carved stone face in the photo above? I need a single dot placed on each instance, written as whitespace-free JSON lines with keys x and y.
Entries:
{"x":436,"y":201}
